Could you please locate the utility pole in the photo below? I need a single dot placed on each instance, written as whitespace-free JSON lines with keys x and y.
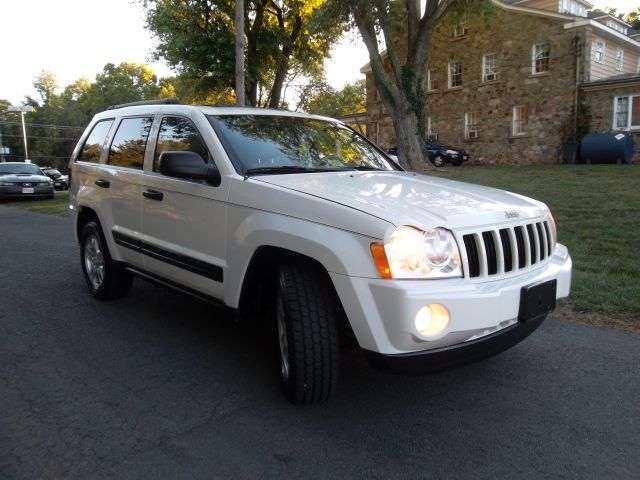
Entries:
{"x":240,"y":53}
{"x":22,"y":109}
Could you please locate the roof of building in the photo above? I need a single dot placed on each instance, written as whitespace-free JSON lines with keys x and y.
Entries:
{"x":596,"y":14}
{"x":615,"y":80}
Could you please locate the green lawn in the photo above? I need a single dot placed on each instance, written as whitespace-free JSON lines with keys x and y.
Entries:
{"x":59,"y":206}
{"x":596,"y":211}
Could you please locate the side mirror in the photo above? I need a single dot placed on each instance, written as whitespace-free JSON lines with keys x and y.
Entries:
{"x":189,"y":165}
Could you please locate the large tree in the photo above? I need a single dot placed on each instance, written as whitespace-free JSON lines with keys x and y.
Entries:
{"x":321,"y":98}
{"x":196,"y":37}
{"x":398,"y":35}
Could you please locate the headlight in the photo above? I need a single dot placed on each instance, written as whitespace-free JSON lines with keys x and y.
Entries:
{"x":413,"y":253}
{"x":6,"y":184}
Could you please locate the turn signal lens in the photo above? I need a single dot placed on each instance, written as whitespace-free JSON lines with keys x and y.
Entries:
{"x":380,"y":258}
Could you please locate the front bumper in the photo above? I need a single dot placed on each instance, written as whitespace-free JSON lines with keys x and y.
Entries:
{"x":16,"y":191}
{"x":445,"y":358}
{"x":382,"y":312}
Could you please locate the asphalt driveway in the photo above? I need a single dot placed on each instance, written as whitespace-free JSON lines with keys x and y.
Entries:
{"x":158,"y":385}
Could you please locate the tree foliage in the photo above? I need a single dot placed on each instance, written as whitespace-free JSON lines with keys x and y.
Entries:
{"x":322,"y":99}
{"x":398,"y":36}
{"x":284,"y":38}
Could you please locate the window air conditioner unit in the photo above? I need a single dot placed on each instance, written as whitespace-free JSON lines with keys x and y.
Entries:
{"x":432,"y":137}
{"x":472,"y":134}
{"x":491,"y":77}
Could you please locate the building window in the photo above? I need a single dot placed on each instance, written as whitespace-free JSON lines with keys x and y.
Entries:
{"x":520,"y":119}
{"x":540,"y":61}
{"x":572,"y":7}
{"x":626,"y":112}
{"x":460,"y":29}
{"x":638,"y":66}
{"x":617,"y":26}
{"x":455,"y":74}
{"x":471,"y":125}
{"x":432,"y":136}
{"x":432,"y":80}
{"x":598,"y":50}
{"x":489,"y":67}
{"x":619,"y":58}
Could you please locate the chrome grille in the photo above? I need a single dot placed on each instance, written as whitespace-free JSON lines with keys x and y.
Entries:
{"x":497,"y":252}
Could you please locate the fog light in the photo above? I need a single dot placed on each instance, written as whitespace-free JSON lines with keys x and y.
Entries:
{"x":432,"y":319}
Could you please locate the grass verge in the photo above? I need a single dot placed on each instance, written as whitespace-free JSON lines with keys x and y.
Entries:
{"x":596,"y":211}
{"x":59,"y":206}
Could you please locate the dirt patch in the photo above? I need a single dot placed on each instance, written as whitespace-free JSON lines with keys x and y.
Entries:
{"x":617,"y":322}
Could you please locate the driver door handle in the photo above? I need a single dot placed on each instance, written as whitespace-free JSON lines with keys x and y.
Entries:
{"x":153,"y":195}
{"x":102,"y":183}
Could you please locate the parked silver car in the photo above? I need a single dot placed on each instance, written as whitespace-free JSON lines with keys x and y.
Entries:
{"x":18,"y":179}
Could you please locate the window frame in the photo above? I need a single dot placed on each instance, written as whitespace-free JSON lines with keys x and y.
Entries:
{"x":460,"y":29}
{"x":629,"y":113}
{"x":493,"y":66}
{"x":535,"y":59}
{"x":619,"y":59}
{"x":468,"y":116}
{"x":432,"y":79}
{"x":517,"y":122}
{"x":596,"y":51}
{"x":450,"y":75}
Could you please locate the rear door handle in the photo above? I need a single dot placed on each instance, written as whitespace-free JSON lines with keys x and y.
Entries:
{"x":102,"y":183}
{"x":153,"y":195}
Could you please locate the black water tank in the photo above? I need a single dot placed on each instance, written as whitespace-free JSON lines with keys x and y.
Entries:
{"x":607,"y":148}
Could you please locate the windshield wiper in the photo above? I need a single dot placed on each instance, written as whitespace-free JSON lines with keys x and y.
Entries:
{"x":365,"y":168}
{"x":281,"y":169}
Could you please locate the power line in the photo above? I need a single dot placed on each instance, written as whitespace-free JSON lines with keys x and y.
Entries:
{"x":41,"y":125}
{"x":40,"y":137}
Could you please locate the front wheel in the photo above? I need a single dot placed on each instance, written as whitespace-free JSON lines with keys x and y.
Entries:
{"x":105,"y":278}
{"x":438,"y":161}
{"x":306,"y":313}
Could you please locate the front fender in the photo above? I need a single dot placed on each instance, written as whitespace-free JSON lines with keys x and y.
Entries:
{"x":339,"y":251}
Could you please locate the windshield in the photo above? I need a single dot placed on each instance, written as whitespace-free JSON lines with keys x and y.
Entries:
{"x":8,"y":168}
{"x":270,"y":144}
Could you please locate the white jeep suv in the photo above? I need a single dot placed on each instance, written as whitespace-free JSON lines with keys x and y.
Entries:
{"x":299,"y":220}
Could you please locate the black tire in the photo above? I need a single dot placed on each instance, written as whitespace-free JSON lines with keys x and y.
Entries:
{"x":306,"y":313}
{"x":438,"y":161}
{"x":105,"y":278}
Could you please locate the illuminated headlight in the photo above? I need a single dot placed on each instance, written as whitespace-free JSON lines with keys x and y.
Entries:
{"x":413,"y":253}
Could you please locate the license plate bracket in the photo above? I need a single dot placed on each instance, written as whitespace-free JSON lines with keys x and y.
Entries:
{"x":537,"y":300}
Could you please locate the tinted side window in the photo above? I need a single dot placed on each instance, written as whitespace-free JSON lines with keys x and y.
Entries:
{"x":129,"y":142}
{"x":178,"y":134}
{"x":92,"y":147}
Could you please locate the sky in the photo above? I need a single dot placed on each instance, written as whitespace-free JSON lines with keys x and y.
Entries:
{"x":76,"y":38}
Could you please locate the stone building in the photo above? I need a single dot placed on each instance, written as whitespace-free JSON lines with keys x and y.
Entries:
{"x":505,"y":86}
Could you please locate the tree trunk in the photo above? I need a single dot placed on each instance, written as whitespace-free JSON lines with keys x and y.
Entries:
{"x":410,"y":137}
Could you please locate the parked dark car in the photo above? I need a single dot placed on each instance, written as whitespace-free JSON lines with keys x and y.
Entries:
{"x":441,"y":154}
{"x":18,"y":179}
{"x":60,"y":181}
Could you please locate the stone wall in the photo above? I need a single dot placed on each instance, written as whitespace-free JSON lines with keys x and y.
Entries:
{"x":549,"y":96}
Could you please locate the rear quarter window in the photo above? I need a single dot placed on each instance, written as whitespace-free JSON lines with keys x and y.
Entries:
{"x":92,"y":148}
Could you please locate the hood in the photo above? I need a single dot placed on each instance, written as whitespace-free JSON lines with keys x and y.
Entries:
{"x":23,"y":177}
{"x":406,"y":198}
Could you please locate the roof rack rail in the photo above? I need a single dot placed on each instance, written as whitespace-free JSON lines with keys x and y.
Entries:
{"x":161,"y":101}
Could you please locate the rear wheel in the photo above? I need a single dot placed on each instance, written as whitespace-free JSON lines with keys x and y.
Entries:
{"x":306,"y":313}
{"x":105,"y":278}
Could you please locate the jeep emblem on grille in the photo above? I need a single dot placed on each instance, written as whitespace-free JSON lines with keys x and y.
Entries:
{"x":511,"y":214}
